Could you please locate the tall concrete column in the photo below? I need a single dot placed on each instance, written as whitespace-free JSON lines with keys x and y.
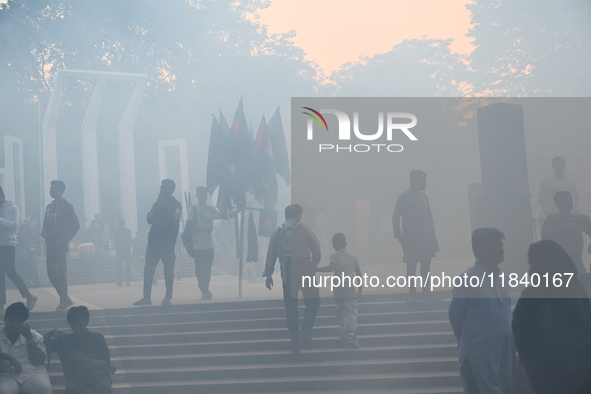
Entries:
{"x":90,"y":164}
{"x":14,"y":175}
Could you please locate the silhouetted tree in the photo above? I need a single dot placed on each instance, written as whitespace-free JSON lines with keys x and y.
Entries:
{"x":531,"y":47}
{"x":413,"y":68}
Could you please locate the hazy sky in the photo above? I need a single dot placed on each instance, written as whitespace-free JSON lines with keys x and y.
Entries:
{"x":333,"y":32}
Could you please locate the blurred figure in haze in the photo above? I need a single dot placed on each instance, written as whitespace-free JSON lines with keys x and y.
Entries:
{"x":83,"y":236}
{"x":552,"y":324}
{"x":59,"y":227}
{"x":481,"y":320}
{"x":84,"y":355}
{"x":164,"y":218}
{"x":567,"y":228}
{"x":122,"y":241}
{"x":96,"y":234}
{"x":556,"y":183}
{"x":298,"y":251}
{"x":417,"y":235}
{"x":9,"y":220}
{"x":138,"y":244}
{"x":107,"y":239}
{"x":22,"y":354}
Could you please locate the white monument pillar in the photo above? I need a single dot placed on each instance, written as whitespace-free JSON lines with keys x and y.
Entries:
{"x":90,"y":166}
{"x":14,"y":174}
{"x":90,"y":172}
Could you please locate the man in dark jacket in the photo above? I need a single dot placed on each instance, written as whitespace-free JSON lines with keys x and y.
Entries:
{"x":59,"y":227}
{"x":164,"y":218}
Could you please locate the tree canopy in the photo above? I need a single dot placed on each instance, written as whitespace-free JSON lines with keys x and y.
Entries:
{"x":180,"y":44}
{"x":531,"y":48}
{"x":413,"y":68}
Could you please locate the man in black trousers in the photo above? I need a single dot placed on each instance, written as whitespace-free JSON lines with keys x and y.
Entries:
{"x":164,"y":218}
{"x":298,"y":250}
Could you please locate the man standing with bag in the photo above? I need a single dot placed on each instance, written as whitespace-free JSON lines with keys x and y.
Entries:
{"x":298,"y":251}
{"x":164,"y":218}
{"x":200,"y":221}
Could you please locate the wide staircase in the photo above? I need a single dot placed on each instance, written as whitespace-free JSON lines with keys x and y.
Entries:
{"x":91,"y":270}
{"x":243,"y":347}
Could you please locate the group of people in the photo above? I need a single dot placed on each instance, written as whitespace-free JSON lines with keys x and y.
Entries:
{"x":61,"y":224}
{"x":298,"y":250}
{"x":550,"y":327}
{"x":84,"y":355}
{"x":164,"y":219}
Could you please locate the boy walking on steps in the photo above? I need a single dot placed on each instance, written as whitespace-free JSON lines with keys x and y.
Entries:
{"x":346,"y":267}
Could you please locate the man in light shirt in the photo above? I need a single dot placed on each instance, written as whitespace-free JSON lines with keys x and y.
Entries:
{"x":556,"y":183}
{"x":480,"y":317}
{"x":22,"y":354}
{"x":567,"y":228}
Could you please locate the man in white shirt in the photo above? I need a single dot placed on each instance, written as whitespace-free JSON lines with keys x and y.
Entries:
{"x":556,"y":183}
{"x":22,"y":354}
{"x":481,"y":320}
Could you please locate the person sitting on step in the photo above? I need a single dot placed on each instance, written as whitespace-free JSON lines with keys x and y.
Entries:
{"x":22,"y":354}
{"x":84,"y":355}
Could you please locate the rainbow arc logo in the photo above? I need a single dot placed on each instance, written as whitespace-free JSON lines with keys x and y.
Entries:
{"x":315,"y":116}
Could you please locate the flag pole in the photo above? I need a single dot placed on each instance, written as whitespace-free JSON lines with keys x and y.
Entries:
{"x":241,"y":259}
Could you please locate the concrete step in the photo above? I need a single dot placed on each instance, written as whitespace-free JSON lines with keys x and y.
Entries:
{"x":104,"y":270}
{"x":286,"y":369}
{"x":242,"y":319}
{"x":267,"y":345}
{"x":441,"y":382}
{"x":279,"y":355}
{"x":243,"y":347}
{"x":267,"y":334}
